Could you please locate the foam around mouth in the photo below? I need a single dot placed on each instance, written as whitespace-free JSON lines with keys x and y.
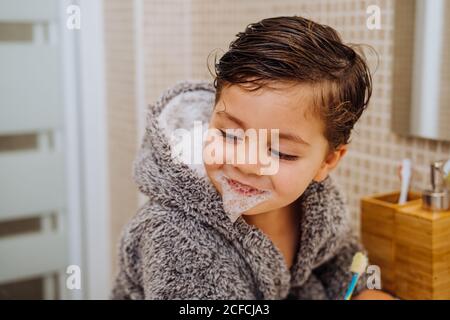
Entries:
{"x":238,"y":198}
{"x":243,"y":188}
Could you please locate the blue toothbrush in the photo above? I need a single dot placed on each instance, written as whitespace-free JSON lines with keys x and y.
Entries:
{"x":359,"y":265}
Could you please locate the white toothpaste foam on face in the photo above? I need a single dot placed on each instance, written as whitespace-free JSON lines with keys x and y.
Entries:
{"x":234,"y":202}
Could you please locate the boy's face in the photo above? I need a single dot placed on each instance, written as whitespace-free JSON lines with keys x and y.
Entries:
{"x":285,"y":109}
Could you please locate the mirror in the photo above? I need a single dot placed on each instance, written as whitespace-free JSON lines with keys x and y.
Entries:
{"x":421,"y":75}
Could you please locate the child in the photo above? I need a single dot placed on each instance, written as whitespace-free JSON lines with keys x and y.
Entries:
{"x":225,"y":230}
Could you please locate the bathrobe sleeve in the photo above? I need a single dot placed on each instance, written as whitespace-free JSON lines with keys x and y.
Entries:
{"x":178,"y":267}
{"x":125,"y":285}
{"x":163,"y":263}
{"x":335,"y":274}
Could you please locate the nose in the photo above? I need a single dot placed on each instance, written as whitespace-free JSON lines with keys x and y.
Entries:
{"x":248,"y":169}
{"x":246,"y":157}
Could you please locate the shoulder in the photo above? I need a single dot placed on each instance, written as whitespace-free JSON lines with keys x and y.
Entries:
{"x":326,"y":219}
{"x":157,"y":233}
{"x":172,"y":258}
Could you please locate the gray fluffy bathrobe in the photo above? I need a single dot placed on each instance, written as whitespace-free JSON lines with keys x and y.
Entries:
{"x":182,"y":245}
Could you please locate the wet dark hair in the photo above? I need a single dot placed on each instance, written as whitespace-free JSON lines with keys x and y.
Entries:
{"x":298,"y":50}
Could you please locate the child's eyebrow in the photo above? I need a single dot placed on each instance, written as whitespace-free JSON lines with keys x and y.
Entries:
{"x":293,"y":137}
{"x":232,"y":118}
{"x":282,"y":135}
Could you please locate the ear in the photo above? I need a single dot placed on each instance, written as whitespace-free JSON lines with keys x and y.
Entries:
{"x":330,"y":162}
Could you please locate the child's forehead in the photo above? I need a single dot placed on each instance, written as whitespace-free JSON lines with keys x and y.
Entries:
{"x":283,"y":107}
{"x":281,"y":98}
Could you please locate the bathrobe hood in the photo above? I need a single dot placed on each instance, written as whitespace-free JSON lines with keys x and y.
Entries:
{"x":188,"y":198}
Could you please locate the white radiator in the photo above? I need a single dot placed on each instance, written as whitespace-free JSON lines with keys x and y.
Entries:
{"x":32,"y":181}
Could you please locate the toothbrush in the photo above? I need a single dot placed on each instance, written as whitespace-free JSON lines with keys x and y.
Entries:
{"x":359,"y":265}
{"x":405,"y":176}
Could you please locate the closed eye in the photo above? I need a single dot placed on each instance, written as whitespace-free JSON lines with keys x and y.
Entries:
{"x":283,"y":156}
{"x":230,"y":137}
{"x":275,"y":153}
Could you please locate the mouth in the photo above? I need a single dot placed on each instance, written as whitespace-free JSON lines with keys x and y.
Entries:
{"x":242,"y":188}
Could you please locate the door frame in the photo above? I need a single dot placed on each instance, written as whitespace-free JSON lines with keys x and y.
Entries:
{"x":87,"y":149}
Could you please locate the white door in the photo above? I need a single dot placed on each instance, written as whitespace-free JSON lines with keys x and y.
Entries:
{"x":52,"y":152}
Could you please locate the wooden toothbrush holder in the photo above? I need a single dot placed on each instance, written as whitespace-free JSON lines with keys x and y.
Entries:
{"x":409,"y":244}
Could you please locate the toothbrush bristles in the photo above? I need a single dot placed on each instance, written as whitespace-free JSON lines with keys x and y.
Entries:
{"x":359,"y":263}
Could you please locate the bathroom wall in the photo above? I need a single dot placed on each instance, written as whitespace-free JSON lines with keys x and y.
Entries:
{"x":122,"y":117}
{"x":175,"y":38}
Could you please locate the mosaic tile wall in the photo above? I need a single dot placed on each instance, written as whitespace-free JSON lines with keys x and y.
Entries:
{"x":122,"y":123}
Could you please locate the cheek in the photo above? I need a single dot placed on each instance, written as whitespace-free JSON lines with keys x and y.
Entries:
{"x":213,"y":151}
{"x":211,"y":168}
{"x":292,"y":179}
